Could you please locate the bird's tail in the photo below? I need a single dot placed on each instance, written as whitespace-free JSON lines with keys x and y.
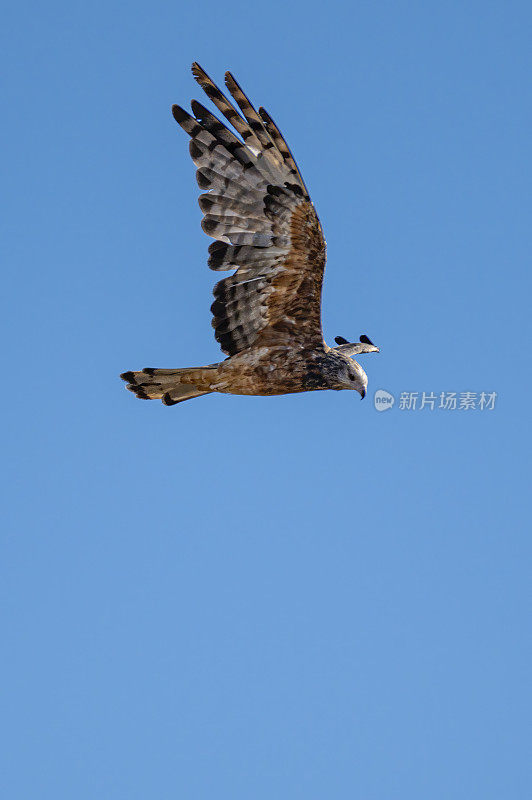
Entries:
{"x":169,"y":385}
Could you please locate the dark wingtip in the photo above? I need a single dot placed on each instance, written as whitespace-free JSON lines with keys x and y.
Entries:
{"x":197,"y":109}
{"x":209,"y":225}
{"x":341,"y":340}
{"x":205,"y":203}
{"x":129,"y":377}
{"x":366,"y":340}
{"x":179,"y":114}
{"x":167,"y":400}
{"x":231,"y":82}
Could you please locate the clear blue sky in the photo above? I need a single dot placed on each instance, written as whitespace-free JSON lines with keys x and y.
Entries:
{"x":293,"y":597}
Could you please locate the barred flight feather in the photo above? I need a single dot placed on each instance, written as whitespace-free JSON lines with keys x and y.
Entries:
{"x":283,"y":148}
{"x":257,"y":209}
{"x":225,"y":106}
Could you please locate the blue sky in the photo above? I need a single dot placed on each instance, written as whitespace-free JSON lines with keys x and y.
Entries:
{"x":266,"y":597}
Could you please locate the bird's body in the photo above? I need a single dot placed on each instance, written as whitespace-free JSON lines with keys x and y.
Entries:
{"x":267,"y":315}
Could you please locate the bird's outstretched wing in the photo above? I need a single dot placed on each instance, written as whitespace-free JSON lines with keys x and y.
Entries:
{"x":258,"y":210}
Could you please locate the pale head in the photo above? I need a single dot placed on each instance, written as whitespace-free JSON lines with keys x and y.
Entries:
{"x":346,"y":373}
{"x":350,"y":373}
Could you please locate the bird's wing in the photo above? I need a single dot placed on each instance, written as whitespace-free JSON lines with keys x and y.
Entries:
{"x":258,"y":210}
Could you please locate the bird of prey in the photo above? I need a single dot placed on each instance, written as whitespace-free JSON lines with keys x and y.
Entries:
{"x":267,"y":314}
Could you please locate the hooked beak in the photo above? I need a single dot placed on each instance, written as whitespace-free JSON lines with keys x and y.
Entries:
{"x":362,"y":394}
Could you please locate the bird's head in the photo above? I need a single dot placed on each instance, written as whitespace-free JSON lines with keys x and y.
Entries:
{"x":356,"y":378}
{"x":347,"y":374}
{"x":351,"y":374}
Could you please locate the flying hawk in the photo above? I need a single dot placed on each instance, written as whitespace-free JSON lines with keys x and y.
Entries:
{"x":267,"y":314}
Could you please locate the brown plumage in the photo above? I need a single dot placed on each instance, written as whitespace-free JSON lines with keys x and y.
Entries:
{"x":267,"y":315}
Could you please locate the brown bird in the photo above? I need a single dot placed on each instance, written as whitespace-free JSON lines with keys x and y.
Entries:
{"x":267,"y":314}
